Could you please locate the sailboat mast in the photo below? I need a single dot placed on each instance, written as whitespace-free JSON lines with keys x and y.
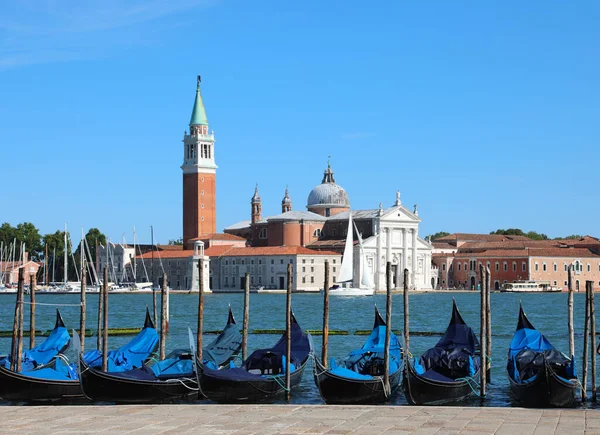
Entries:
{"x":54,"y":265}
{"x":134,"y":262}
{"x":65,"y":257}
{"x":46,"y":265}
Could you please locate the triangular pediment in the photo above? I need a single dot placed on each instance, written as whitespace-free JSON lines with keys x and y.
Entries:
{"x":399,"y":214}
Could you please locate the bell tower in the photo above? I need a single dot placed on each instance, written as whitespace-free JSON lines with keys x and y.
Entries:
{"x":199,"y":175}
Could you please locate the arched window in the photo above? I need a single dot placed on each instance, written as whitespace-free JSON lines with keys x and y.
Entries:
{"x":514,"y":266}
{"x":459,"y":267}
{"x":505,"y":264}
{"x":524,"y":267}
{"x":444,"y":266}
{"x":555,"y":267}
{"x":497,"y":266}
{"x":317,"y":233}
{"x":263,"y":233}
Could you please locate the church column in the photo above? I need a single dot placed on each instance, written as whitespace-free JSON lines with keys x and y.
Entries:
{"x":414,"y":257}
{"x":378,"y":266}
{"x":404,"y":252}
{"x":388,"y":247}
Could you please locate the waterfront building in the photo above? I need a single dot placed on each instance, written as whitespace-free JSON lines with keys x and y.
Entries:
{"x":389,"y":234}
{"x":9,"y":271}
{"x":515,"y":258}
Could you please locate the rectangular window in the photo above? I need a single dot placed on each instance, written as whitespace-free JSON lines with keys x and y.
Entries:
{"x":312,"y":279}
{"x":303,"y":269}
{"x":312,"y":269}
{"x":303,"y":281}
{"x":281,"y":261}
{"x":334,"y":268}
{"x":272,"y":280}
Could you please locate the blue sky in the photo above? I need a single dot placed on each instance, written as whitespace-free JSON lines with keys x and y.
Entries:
{"x":486,"y":115}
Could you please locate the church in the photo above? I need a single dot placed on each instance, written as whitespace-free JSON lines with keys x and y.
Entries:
{"x":263,"y":246}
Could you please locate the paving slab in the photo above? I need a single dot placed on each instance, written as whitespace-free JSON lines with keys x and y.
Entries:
{"x":295,"y":419}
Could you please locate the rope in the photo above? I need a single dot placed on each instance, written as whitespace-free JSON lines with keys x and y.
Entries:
{"x":50,"y":305}
{"x":181,"y":381}
{"x":469,"y":380}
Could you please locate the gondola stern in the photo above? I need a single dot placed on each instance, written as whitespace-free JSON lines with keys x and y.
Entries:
{"x":456,"y":318}
{"x":378,"y":319}
{"x":148,"y":323}
{"x":230,"y":318}
{"x":59,"y":320}
{"x":523,"y":322}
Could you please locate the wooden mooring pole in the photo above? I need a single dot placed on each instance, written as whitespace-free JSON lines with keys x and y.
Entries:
{"x":200,"y":309}
{"x":570,"y":313}
{"x":83,"y":309}
{"x":246,"y":317}
{"x":105,"y":321}
{"x":388,"y":328}
{"x":31,"y":311}
{"x":21,"y":292}
{"x":325,"y":346}
{"x":590,"y":284}
{"x":406,"y":317}
{"x":586,"y":332}
{"x":100,"y":303}
{"x":488,"y":321}
{"x":483,"y":333}
{"x":288,"y":333}
{"x":163,"y":317}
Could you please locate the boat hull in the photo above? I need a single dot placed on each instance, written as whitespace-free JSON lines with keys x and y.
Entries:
{"x":423,"y":391}
{"x":231,"y":391}
{"x":350,"y":291}
{"x":547,"y":390}
{"x":22,"y":388}
{"x":104,"y":387}
{"x":345,"y":391}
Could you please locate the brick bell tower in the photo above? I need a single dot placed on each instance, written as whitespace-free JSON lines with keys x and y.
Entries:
{"x":199,"y":176}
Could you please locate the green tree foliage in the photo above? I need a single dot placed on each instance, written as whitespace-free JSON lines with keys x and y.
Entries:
{"x":572,"y":237}
{"x":438,"y":235}
{"x":533,"y":235}
{"x":178,"y":241}
{"x":26,"y":233}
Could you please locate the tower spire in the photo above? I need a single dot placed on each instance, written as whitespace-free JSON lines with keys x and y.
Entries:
{"x":256,"y":204}
{"x":286,"y":202}
{"x":198,"y":112}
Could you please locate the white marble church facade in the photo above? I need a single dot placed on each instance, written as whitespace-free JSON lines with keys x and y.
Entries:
{"x":395,"y":239}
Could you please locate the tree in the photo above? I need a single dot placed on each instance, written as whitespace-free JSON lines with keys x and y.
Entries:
{"x":56,"y":248}
{"x":533,"y":235}
{"x":438,"y":235}
{"x":178,"y":241}
{"x":572,"y":237}
{"x":26,"y":233}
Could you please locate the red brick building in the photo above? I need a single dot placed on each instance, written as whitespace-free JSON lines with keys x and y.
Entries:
{"x":514,"y":258}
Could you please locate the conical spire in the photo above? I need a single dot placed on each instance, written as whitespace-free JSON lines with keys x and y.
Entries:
{"x":286,"y":199}
{"x":198,"y":112}
{"x":256,"y":196}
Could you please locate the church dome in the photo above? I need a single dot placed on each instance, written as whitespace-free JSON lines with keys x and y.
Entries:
{"x":328,"y":194}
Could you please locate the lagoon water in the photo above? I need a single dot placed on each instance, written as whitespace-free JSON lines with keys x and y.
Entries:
{"x":429,"y":312}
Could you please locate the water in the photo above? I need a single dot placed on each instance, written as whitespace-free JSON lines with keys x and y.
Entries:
{"x":429,"y":312}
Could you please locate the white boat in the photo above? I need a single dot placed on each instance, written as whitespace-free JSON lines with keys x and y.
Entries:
{"x":528,"y":286}
{"x":360,"y":285}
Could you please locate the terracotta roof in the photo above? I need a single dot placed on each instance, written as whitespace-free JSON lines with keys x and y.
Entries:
{"x":478,"y":237}
{"x":169,"y":247}
{"x":530,"y":252}
{"x":217,"y":236}
{"x":494,"y":253}
{"x":442,"y":245}
{"x":442,"y":254}
{"x":562,"y":252}
{"x":170,"y":253}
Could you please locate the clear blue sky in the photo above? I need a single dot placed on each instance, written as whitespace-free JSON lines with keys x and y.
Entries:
{"x":486,"y":115}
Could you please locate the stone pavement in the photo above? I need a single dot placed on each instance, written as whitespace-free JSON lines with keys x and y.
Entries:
{"x":294,"y":419}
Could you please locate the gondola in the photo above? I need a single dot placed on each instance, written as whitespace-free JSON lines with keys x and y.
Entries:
{"x":58,"y":380}
{"x":448,"y":371}
{"x":539,"y":374}
{"x":261,"y":376}
{"x":170,"y":378}
{"x":359,"y":378}
{"x":57,"y":342}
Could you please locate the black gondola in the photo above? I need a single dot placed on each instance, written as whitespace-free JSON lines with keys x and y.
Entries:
{"x":170,"y":378}
{"x":57,"y":381}
{"x":539,"y":374}
{"x":261,"y":376}
{"x":359,"y":378}
{"x":446,"y":372}
{"x":57,"y":342}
